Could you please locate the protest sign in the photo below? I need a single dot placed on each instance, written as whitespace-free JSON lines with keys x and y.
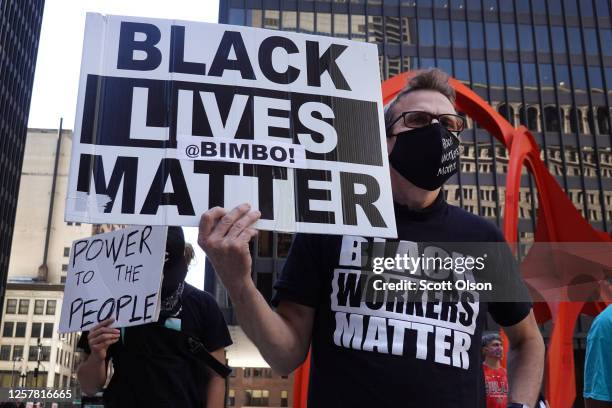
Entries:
{"x":177,"y":117}
{"x":117,"y":274}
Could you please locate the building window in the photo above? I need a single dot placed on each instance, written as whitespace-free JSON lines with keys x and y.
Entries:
{"x":558,"y":33}
{"x":11,"y":306}
{"x":20,"y":329}
{"x":5,"y":353}
{"x":51,"y":307}
{"x":236,"y":16}
{"x":247,"y":373}
{"x":66,"y":251}
{"x":17,"y":353}
{"x":532,"y":118}
{"x":442,"y":33}
{"x":64,"y":268}
{"x":542,"y":43}
{"x":575,"y":120}
{"x":62,"y":279}
{"x":507,"y":112}
{"x":603,"y":120}
{"x":459,"y":33}
{"x":257,"y":398}
{"x":24,"y":306}
{"x":284,"y":399}
{"x":32,"y":353}
{"x":39,"y":306}
{"x":426,"y":32}
{"x":492,"y":36}
{"x":551,"y":116}
{"x":324,"y":23}
{"x":45,"y":353}
{"x":264,"y":244}
{"x":69,"y":223}
{"x":306,"y":22}
{"x":35,"y":332}
{"x":475,"y":35}
{"x":7,"y":331}
{"x":231,"y":397}
{"x":525,"y":37}
{"x":509,"y":36}
{"x":496,"y":74}
{"x":289,"y":20}
{"x":340,"y":25}
{"x":48,"y":330}
{"x":283,"y":244}
{"x":262,"y":373}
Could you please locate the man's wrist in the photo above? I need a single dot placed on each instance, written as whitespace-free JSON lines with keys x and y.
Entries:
{"x":96,"y":359}
{"x":239,"y":288}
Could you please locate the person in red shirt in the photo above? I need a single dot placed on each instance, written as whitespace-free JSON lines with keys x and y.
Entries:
{"x":496,"y":379}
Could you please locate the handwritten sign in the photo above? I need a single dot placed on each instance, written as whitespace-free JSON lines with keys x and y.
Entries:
{"x":117,"y":274}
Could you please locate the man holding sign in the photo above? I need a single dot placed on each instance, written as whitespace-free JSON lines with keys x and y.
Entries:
{"x":392,"y":352}
{"x":166,"y":363}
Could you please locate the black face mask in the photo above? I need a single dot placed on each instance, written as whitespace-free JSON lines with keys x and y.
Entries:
{"x":175,"y":267}
{"x":426,"y":156}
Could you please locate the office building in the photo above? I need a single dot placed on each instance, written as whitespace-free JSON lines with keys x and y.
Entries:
{"x":30,"y":342}
{"x":20,"y":23}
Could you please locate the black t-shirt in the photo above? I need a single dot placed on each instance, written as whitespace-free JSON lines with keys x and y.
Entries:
{"x":369,"y":349}
{"x":153,"y":365}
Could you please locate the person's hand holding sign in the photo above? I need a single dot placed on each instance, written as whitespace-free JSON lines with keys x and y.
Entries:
{"x":101,"y":337}
{"x":225,"y":236}
{"x":282,"y":336}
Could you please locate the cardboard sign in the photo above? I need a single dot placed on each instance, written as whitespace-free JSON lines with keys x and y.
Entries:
{"x":117,"y":274}
{"x":177,"y":117}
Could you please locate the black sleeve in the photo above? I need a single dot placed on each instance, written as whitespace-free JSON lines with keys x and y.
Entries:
{"x":83,"y":344}
{"x":299,"y":281}
{"x":510,"y":302}
{"x":213,"y":331}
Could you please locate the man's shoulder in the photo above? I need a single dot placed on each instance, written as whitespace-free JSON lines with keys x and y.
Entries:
{"x":485,"y":230}
{"x":602,"y":325}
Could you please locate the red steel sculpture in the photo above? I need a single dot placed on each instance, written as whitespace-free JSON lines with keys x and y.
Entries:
{"x":558,"y":220}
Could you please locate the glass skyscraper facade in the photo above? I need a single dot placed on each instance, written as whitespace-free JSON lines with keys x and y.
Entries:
{"x":20,"y":23}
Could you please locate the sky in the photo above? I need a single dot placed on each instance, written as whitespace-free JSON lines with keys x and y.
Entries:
{"x":58,"y":65}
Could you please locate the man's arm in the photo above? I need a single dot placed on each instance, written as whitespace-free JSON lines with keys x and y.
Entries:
{"x":215,"y":389}
{"x":92,"y":372}
{"x":282,"y":337}
{"x":525,"y":361}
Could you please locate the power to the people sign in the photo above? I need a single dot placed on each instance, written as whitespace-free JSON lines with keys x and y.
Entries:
{"x":177,"y":117}
{"x":118,"y":275}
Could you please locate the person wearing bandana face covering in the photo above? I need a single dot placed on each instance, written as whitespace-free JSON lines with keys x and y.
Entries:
{"x":496,"y":379}
{"x":162,"y":364}
{"x":371,"y":353}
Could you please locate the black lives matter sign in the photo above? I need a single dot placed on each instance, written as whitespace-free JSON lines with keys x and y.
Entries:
{"x":178,"y":117}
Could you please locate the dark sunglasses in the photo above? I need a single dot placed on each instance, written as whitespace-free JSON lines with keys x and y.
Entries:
{"x":418,"y":119}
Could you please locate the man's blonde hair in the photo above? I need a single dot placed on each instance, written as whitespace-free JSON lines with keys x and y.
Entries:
{"x":432,"y":79}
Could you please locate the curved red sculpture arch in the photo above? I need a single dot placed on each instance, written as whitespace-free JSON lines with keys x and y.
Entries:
{"x":558,"y":220}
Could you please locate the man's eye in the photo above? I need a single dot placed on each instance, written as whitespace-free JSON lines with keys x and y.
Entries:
{"x":417,"y":119}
